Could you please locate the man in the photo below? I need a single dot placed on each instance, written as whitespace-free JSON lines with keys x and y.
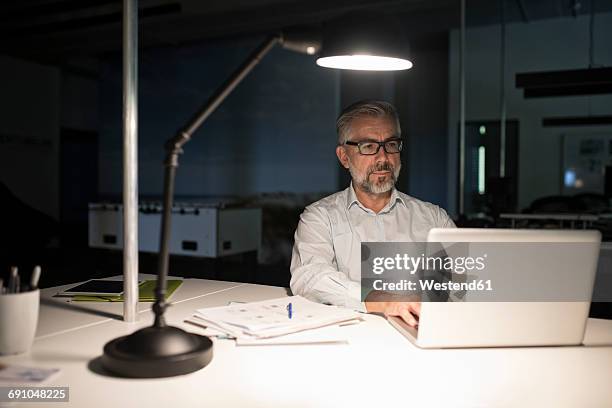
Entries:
{"x":325,"y":266}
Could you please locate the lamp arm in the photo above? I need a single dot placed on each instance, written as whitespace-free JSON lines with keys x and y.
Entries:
{"x":174,"y":148}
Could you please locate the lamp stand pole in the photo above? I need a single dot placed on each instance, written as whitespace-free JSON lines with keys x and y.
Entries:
{"x":130,"y":161}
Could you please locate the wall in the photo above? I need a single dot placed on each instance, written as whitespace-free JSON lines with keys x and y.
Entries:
{"x":421,"y":99}
{"x":556,"y":44}
{"x":29,"y":132}
{"x":79,"y":100}
{"x":275,"y":132}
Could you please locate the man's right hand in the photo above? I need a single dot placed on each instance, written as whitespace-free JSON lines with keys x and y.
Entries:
{"x":408,"y":311}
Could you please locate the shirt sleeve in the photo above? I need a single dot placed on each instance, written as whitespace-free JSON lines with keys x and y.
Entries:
{"x":314,"y":271}
{"x":443,"y":220}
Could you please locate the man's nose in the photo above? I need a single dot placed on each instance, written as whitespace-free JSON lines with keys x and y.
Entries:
{"x":381,"y":154}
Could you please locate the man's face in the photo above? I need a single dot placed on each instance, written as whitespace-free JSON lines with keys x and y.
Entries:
{"x":373,"y":174}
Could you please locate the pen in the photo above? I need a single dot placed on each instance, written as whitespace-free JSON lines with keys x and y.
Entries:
{"x":289,"y":310}
{"x":35,"y":277}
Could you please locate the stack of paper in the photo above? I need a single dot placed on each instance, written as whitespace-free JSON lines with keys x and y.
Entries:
{"x":252,"y":322}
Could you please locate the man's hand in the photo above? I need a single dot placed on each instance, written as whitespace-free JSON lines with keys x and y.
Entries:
{"x":391,"y":304}
{"x":408,"y":311}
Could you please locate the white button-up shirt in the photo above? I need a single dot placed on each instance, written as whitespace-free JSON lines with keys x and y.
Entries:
{"x":326,"y":260}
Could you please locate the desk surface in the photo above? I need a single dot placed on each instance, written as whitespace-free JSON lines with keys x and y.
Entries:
{"x":378,"y":367}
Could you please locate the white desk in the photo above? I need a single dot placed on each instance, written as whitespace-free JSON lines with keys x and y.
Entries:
{"x":378,"y":367}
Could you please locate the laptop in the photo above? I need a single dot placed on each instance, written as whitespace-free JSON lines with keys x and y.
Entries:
{"x":509,"y":324}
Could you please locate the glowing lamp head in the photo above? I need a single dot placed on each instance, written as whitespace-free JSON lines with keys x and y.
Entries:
{"x":364,"y":42}
{"x":364,"y":62}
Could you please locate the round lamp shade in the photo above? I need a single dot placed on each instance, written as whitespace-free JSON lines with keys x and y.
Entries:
{"x":362,"y":43}
{"x":364,"y":62}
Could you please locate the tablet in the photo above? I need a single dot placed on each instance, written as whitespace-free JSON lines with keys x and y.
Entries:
{"x":96,"y":287}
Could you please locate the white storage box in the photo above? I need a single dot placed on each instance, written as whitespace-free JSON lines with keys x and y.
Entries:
{"x":204,"y":230}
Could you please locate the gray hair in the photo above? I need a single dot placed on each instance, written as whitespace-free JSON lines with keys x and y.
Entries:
{"x":363,"y":108}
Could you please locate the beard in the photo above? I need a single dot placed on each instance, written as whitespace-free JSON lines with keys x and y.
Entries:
{"x":378,"y":184}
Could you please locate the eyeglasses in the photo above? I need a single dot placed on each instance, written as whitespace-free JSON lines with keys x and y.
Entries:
{"x":371,"y":148}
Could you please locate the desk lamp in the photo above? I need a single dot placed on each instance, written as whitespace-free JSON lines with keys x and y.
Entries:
{"x":161,"y":350}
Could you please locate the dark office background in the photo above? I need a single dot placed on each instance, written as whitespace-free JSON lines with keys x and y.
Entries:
{"x":271,"y":143}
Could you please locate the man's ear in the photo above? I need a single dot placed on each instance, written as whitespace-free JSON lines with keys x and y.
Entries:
{"x":342,"y":156}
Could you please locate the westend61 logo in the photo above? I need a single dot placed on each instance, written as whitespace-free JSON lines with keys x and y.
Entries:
{"x":412,"y":264}
{"x":423,"y":269}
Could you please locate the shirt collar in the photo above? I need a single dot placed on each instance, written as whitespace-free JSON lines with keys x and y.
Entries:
{"x":352,"y":199}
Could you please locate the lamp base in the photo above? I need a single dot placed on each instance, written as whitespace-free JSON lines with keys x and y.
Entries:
{"x":155,"y":352}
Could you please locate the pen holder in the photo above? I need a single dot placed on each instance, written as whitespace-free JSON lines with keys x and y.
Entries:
{"x":18,"y":320}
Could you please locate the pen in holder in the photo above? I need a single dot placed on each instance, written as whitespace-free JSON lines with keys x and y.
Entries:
{"x":18,"y":320}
